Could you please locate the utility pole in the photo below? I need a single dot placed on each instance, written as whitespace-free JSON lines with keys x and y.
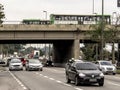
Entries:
{"x":102,"y":29}
{"x":93,"y":8}
{"x":45,"y":19}
{"x":45,"y":14}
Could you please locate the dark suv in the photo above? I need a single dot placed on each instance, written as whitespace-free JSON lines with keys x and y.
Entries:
{"x":84,"y":72}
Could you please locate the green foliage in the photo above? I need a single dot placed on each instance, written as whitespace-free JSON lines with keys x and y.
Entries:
{"x":2,"y":15}
{"x":10,"y":48}
{"x":118,"y":71}
{"x":97,"y":31}
{"x":89,"y":52}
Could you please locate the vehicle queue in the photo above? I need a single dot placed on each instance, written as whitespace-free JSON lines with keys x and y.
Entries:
{"x":79,"y":71}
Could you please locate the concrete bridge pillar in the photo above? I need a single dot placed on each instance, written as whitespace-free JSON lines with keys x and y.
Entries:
{"x":76,"y":49}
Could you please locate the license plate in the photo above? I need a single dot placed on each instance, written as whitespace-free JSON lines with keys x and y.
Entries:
{"x":93,"y":80}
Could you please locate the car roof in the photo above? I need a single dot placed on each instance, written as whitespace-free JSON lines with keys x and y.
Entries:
{"x":15,"y":59}
{"x":83,"y":62}
{"x":32,"y":59}
{"x":103,"y":61}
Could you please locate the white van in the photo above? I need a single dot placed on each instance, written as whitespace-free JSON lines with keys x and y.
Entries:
{"x":106,"y":67}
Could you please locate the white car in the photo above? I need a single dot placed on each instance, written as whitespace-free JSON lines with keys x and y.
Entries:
{"x":106,"y":67}
{"x":15,"y":64}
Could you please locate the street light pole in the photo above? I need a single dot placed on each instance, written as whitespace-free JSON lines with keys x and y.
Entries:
{"x":45,"y":19}
{"x":93,"y":8}
{"x":102,"y":29}
{"x":46,"y":14}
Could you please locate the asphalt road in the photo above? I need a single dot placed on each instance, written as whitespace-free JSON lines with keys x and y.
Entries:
{"x":49,"y":79}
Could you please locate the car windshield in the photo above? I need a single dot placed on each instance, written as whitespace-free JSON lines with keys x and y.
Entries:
{"x":105,"y":63}
{"x":34,"y":61}
{"x":86,"y":66}
{"x":15,"y":61}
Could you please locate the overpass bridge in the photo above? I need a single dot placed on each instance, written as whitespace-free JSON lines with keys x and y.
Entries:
{"x":65,"y":38}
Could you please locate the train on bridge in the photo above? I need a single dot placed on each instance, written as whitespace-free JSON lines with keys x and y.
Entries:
{"x":69,"y":19}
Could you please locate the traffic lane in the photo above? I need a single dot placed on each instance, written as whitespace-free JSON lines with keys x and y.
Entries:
{"x":55,"y":73}
{"x":60,"y":75}
{"x":34,"y":80}
{"x":5,"y":82}
{"x":115,"y":78}
{"x":49,"y":72}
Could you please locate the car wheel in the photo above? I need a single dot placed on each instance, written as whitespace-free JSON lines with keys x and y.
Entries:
{"x":101,"y":84}
{"x":67,"y":78}
{"x":28,"y":69}
{"x":10,"y":70}
{"x":114,"y":73}
{"x":41,"y":69}
{"x":76,"y":81}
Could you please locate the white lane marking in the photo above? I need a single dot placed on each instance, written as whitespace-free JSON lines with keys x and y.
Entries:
{"x":60,"y":82}
{"x":41,"y":74}
{"x":46,"y":76}
{"x":114,"y":84}
{"x":36,"y":73}
{"x":78,"y":89}
{"x":51,"y":78}
{"x":67,"y":85}
{"x":19,"y":82}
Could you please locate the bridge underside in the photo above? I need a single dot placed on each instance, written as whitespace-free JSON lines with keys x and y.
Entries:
{"x":63,"y":50}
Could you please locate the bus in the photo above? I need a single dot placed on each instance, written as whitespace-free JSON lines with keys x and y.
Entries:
{"x":36,"y":21}
{"x":78,"y":19}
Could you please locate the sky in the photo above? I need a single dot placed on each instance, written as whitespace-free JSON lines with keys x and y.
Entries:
{"x":16,"y":10}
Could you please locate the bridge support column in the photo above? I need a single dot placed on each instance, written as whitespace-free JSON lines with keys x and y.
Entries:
{"x":76,"y":49}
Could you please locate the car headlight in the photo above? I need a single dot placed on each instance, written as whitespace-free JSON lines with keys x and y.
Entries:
{"x":101,"y":75}
{"x":114,"y":68}
{"x":82,"y":75}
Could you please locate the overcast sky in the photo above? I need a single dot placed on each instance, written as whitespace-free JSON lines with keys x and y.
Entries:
{"x":33,"y":9}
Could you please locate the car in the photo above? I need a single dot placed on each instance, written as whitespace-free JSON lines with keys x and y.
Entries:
{"x":21,"y":58}
{"x":84,"y":73}
{"x":106,"y":67}
{"x":33,"y":64}
{"x":2,"y":62}
{"x":49,"y":63}
{"x":15,"y":64}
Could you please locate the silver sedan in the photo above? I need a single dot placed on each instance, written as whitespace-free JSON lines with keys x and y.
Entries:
{"x":34,"y":64}
{"x":15,"y":64}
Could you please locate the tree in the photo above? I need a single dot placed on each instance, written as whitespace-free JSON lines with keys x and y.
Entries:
{"x":88,"y":51}
{"x":96,"y":35}
{"x":112,"y":35}
{"x":108,"y":36}
{"x":2,"y":15}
